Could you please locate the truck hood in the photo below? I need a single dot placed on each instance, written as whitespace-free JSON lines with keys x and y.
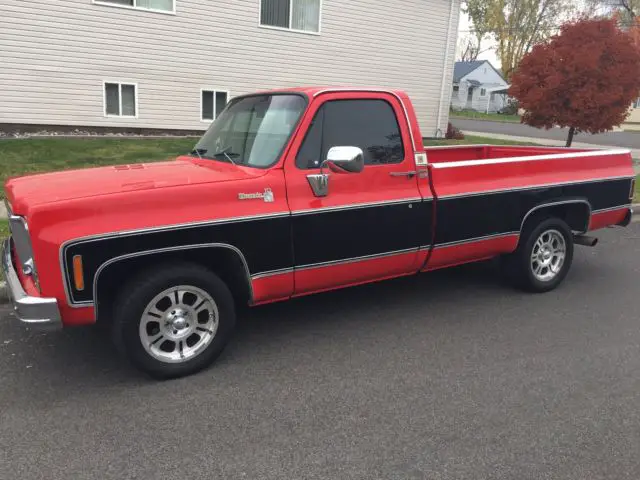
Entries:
{"x":31,"y":190}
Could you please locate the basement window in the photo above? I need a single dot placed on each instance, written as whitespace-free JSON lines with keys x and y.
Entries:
{"x":212,"y":102}
{"x":120,"y":99}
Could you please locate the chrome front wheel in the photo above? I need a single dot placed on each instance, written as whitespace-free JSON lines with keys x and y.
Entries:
{"x":178,"y":324}
{"x":174,"y":319}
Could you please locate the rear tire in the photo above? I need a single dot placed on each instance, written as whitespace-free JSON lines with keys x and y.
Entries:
{"x":174,"y":320}
{"x":543,"y":257}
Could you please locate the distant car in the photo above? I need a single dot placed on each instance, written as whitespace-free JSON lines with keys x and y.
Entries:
{"x":289,"y":193}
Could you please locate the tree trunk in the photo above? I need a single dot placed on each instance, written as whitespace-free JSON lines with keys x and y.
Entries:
{"x":572,"y":132}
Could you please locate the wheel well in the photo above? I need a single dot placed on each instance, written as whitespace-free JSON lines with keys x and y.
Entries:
{"x":576,"y":214}
{"x":224,"y":262}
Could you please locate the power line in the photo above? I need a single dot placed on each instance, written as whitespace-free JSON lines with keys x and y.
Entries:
{"x":540,"y":29}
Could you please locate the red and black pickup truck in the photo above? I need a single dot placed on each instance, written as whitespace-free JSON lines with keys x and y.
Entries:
{"x":289,"y":193}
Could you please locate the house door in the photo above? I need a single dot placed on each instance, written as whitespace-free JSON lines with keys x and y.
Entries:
{"x":470,"y":97}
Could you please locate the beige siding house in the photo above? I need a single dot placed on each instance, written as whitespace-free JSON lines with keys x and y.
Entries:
{"x":172,"y":64}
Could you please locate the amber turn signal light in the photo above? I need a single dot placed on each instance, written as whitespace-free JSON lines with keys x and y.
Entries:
{"x":78,"y":273}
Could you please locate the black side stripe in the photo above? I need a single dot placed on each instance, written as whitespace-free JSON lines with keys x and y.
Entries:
{"x":341,"y":234}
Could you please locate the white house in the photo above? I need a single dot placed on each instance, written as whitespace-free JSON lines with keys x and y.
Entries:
{"x":632,"y":122}
{"x":173,"y":64}
{"x":478,"y":86}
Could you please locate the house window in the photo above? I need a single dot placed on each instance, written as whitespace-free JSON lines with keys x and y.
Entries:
{"x":153,"y":5}
{"x":297,"y":15}
{"x":483,"y":92}
{"x":636,"y":104}
{"x":120,"y":99}
{"x":456,"y":91}
{"x":212,"y":103}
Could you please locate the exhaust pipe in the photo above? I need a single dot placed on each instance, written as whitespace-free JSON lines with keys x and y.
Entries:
{"x":585,"y":240}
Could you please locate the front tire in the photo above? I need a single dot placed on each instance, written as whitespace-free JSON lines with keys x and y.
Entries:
{"x":543,"y":257}
{"x":174,"y":320}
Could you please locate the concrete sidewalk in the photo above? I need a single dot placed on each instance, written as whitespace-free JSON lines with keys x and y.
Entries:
{"x":635,"y":153}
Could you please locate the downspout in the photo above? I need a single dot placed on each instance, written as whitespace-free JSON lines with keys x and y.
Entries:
{"x":444,"y":67}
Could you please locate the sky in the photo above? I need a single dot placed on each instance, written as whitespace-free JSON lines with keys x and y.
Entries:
{"x":465,"y":25}
{"x":463,"y":29}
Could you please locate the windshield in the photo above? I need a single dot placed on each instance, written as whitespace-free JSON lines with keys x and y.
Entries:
{"x":252,"y":130}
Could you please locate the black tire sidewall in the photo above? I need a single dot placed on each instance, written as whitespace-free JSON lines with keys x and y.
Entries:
{"x":136,"y":296}
{"x":532,"y":283}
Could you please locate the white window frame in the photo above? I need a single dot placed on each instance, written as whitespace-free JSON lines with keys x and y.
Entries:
{"x":214,"y":90}
{"x":483,"y":94}
{"x":134,"y":7}
{"x":104,"y":98}
{"x":283,"y":29}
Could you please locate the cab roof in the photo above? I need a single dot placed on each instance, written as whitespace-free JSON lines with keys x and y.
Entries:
{"x":312,"y":91}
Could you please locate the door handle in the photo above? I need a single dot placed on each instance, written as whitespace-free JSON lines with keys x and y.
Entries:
{"x":410,"y":174}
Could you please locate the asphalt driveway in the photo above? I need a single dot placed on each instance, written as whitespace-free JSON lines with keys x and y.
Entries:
{"x":449,"y":375}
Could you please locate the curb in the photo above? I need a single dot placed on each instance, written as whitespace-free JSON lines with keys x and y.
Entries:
{"x":4,"y":293}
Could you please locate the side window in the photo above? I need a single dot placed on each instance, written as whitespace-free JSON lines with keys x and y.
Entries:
{"x":310,"y":153}
{"x":369,"y":124}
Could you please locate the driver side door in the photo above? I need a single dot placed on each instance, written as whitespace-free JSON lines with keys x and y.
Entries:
{"x":367,"y":227}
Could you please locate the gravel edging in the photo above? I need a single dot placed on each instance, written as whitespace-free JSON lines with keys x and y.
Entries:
{"x":4,"y":294}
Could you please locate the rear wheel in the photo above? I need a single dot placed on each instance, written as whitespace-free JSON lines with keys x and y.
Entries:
{"x":173,"y":321}
{"x":543,"y":257}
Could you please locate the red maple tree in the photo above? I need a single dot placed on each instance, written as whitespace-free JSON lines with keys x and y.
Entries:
{"x":584,"y":78}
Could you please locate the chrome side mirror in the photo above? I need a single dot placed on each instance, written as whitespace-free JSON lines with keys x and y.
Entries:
{"x":339,"y":160}
{"x":345,"y":159}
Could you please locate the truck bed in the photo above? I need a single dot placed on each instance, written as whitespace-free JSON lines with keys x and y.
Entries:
{"x":458,"y":153}
{"x":495,"y":186}
{"x":487,"y":168}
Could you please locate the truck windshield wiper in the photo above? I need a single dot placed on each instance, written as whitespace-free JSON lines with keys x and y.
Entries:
{"x":199,"y":152}
{"x":227,"y":154}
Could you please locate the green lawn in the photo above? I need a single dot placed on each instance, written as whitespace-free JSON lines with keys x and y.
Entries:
{"x":4,"y":228}
{"x":494,"y":117}
{"x":23,"y":156}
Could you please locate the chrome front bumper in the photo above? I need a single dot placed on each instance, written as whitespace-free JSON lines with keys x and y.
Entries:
{"x":37,"y":312}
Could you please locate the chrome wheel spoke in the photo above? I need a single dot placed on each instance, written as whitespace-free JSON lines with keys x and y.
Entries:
{"x":173,"y":328}
{"x":155,"y":313}
{"x":538,"y":269}
{"x":156,"y":339}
